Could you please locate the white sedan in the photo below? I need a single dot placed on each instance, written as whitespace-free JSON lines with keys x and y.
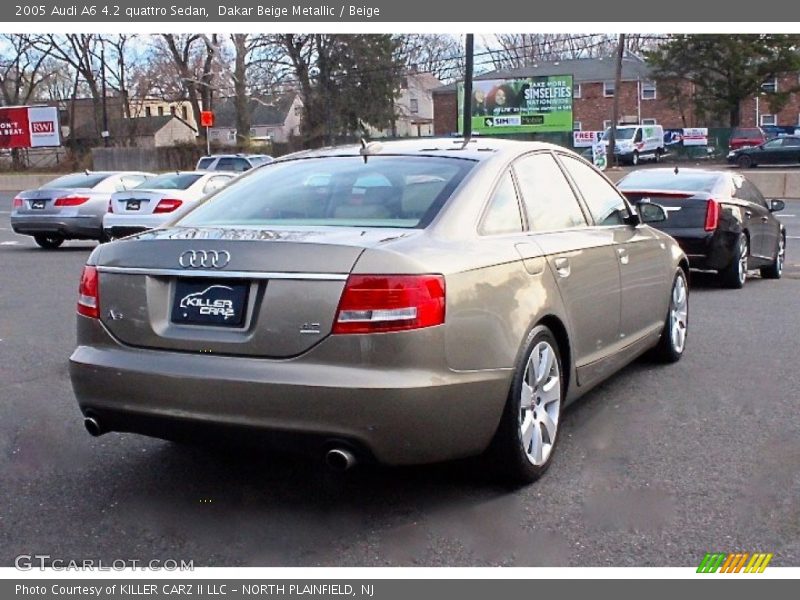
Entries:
{"x":155,"y":201}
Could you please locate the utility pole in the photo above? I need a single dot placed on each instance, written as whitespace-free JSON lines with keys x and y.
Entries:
{"x":612,"y":137}
{"x":467,"y":116}
{"x":105,"y":133}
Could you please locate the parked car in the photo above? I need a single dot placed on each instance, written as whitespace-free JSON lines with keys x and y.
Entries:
{"x":70,"y":207}
{"x":778,"y":151}
{"x":232,"y":162}
{"x":720,"y":219}
{"x":155,"y":201}
{"x":634,"y":143}
{"x":407,"y":302}
{"x":745,"y":137}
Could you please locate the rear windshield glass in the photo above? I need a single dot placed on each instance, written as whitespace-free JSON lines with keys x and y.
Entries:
{"x":748,"y":134}
{"x":204,"y":163}
{"x":259,"y":160}
{"x":386,"y":191}
{"x":78,"y":180}
{"x":684,"y":182}
{"x":170,"y":181}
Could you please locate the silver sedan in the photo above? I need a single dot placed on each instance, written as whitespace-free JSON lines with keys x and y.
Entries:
{"x":70,"y":207}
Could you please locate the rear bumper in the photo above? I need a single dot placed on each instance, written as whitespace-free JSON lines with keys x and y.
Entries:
{"x":123,"y":225}
{"x":77,"y":227}
{"x":706,"y":250}
{"x":400,"y":414}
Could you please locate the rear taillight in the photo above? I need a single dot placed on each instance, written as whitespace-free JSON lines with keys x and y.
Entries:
{"x":167,"y":205}
{"x":110,"y":208}
{"x":712,"y":215}
{"x":71,"y":200}
{"x":381,"y":303}
{"x":17,"y":203}
{"x":89,"y":293}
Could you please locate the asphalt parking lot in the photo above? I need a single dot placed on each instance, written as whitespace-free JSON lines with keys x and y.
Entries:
{"x":656,"y":467}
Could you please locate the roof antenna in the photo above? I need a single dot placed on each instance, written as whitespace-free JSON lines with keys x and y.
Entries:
{"x":676,"y":169}
{"x":86,"y":171}
{"x":368,"y":149}
{"x":467,"y":116}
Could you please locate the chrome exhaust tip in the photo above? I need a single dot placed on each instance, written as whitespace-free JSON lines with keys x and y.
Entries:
{"x":93,"y":427}
{"x":340,"y":459}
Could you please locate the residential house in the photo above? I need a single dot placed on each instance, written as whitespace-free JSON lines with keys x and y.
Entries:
{"x":141,"y":132}
{"x":272,"y":119}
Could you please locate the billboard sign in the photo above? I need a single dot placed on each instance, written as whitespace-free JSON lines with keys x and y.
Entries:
{"x":29,"y":127}
{"x":529,"y":105}
{"x":585,"y":139}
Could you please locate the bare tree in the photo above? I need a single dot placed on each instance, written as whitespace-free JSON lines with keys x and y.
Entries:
{"x":438,"y":54}
{"x":197,"y":80}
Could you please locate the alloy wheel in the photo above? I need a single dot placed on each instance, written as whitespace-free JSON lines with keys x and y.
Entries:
{"x":679,"y":312}
{"x":540,"y":403}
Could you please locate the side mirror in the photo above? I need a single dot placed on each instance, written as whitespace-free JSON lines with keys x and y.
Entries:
{"x":776,"y":205}
{"x":651,"y":213}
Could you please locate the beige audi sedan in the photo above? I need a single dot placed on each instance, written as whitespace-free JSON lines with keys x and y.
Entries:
{"x":408,"y":302}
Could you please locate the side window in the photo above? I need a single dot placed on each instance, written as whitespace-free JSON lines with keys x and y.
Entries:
{"x":549,"y":201}
{"x":204,"y":163}
{"x":604,"y":201}
{"x":752,"y":194}
{"x":214,"y":183}
{"x":638,"y":137}
{"x":502,"y":215}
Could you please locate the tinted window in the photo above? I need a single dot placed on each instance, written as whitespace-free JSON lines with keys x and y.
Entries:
{"x":622,"y":134}
{"x":774,"y":144}
{"x":78,"y":180}
{"x":603,"y":200}
{"x":204,"y":163}
{"x":747,"y":191}
{"x":502,"y":215}
{"x":232,"y":164}
{"x":171,"y":181}
{"x":791,"y":141}
{"x":548,"y":198}
{"x":683,"y":181}
{"x":749,"y":134}
{"x":387,"y":191}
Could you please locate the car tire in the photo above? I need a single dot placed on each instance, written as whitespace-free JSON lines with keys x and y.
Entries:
{"x":672,"y":342}
{"x":524,"y":443}
{"x":775,"y":270}
{"x":744,"y":162}
{"x":635,"y":158}
{"x":735,"y":275}
{"x":48,"y":241}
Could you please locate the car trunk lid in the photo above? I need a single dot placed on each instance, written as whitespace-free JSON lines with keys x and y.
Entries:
{"x":172,"y":288}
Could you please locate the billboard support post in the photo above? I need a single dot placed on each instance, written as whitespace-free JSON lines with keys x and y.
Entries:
{"x":467,"y":115}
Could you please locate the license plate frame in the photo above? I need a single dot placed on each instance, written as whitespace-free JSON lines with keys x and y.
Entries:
{"x":210,"y":302}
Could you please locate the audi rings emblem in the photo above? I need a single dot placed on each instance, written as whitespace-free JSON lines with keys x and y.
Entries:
{"x":204,"y":259}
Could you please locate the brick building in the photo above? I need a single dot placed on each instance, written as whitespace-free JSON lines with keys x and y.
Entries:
{"x":593,"y":95}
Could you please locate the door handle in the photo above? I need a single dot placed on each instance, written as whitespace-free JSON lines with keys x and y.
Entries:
{"x":623,"y":255}
{"x":764,"y":219}
{"x":748,"y":214}
{"x":563,"y":267}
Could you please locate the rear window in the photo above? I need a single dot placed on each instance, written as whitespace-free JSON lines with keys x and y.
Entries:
{"x":171,"y":181}
{"x":204,"y":163}
{"x":78,"y":180}
{"x":748,"y":134}
{"x":683,"y":181}
{"x":387,"y":191}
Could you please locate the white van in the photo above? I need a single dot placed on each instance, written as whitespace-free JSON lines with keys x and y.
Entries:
{"x":637,"y":142}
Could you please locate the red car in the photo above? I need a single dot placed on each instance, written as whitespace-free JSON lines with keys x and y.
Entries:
{"x":744,"y":137}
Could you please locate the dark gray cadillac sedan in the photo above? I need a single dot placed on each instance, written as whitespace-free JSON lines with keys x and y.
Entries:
{"x":407,"y":303}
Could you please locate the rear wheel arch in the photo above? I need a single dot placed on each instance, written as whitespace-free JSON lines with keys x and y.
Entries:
{"x":559,"y":331}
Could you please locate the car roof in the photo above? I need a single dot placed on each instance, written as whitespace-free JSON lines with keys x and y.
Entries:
{"x":478,"y":149}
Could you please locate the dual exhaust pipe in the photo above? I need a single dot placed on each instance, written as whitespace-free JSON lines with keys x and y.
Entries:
{"x":337,"y":459}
